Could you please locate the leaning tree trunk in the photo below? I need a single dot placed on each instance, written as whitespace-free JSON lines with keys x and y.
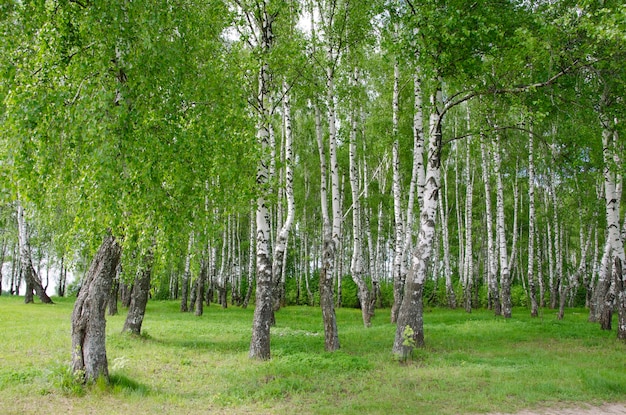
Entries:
{"x":139,"y":297}
{"x":89,"y":359}
{"x":33,"y":283}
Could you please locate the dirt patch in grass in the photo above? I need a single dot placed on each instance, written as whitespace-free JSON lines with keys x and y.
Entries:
{"x":606,"y":409}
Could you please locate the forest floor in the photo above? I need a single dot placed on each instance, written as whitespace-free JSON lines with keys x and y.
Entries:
{"x":182,"y":364}
{"x":606,"y":409}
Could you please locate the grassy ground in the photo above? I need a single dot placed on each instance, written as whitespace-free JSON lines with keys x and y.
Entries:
{"x":473,"y":363}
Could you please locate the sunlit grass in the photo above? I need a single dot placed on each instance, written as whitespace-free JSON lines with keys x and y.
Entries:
{"x":472,"y":363}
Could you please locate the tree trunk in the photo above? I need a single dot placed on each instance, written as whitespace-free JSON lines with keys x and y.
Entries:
{"x":398,"y":277}
{"x":251,"y":261}
{"x":89,"y":358}
{"x":620,"y":288}
{"x":278,"y":262}
{"x":558,"y":252}
{"x":201,"y":282}
{"x":139,"y":297}
{"x":468,"y":265}
{"x":445,"y":239}
{"x":112,"y":304}
{"x":492,"y":264}
{"x":263,"y":311}
{"x":410,"y":326}
{"x":33,"y":283}
{"x":184,"y":296}
{"x":532,"y":278}
{"x":331,"y":233}
{"x":505,"y":278}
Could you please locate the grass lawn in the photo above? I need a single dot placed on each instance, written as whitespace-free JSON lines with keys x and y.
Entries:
{"x":472,"y":363}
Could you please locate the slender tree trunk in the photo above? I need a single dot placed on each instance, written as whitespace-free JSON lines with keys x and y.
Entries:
{"x":89,"y":359}
{"x":330,"y":250}
{"x":620,"y":288}
{"x":2,"y":255}
{"x":139,"y":297}
{"x":356,"y":263}
{"x":251,"y":261}
{"x":112,"y":305}
{"x":445,"y":239}
{"x":201,"y":283}
{"x":505,"y":278}
{"x":398,"y":277}
{"x":184,"y":296}
{"x":278,"y":261}
{"x":558,"y":256}
{"x":532,"y":278}
{"x":468,"y":265}
{"x":492,"y":264}
{"x":33,"y":283}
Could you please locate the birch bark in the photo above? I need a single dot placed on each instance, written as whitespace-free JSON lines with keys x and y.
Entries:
{"x":410,"y":326}
{"x":505,"y":281}
{"x":532,"y":278}
{"x":263,"y":311}
{"x":89,"y":359}
{"x":398,"y":280}
{"x":492,"y":264}
{"x":283,"y":234}
{"x":356,"y":263}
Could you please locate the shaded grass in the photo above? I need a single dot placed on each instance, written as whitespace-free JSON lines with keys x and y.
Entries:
{"x":473,"y":363}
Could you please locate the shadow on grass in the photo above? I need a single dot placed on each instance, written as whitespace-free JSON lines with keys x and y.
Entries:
{"x":120,"y":383}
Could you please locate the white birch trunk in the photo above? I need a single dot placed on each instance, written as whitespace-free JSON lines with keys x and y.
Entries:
{"x":283,"y":234}
{"x":356,"y":263}
{"x":398,"y":278}
{"x":468,"y":269}
{"x":532,"y":278}
{"x":612,"y":193}
{"x":184,"y":300}
{"x":263,"y":312}
{"x":492,"y":263}
{"x":410,"y":325}
{"x":505,"y":281}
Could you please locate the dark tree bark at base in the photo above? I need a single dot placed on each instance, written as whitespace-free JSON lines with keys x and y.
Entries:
{"x":200,"y":283}
{"x":331,"y":337}
{"x":620,"y":288}
{"x":89,"y":358}
{"x":139,"y":299}
{"x":410,"y":329}
{"x":112,"y":305}
{"x":263,"y":311}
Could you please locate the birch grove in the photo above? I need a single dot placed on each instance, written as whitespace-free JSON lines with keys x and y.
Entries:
{"x":318,"y":152}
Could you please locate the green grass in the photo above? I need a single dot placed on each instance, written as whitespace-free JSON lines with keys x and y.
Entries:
{"x":473,"y":363}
